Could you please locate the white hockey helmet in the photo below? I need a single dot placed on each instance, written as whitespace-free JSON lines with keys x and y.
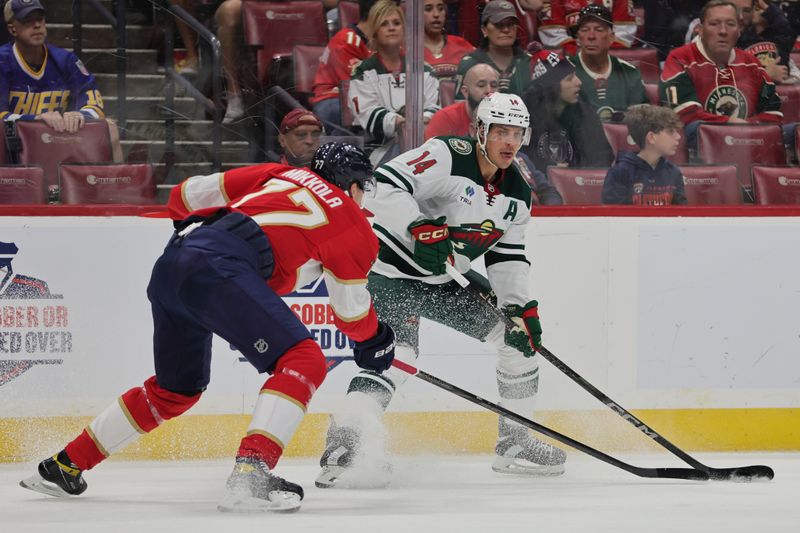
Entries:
{"x":502,"y":108}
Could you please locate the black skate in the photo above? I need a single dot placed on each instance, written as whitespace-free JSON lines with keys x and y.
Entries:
{"x":343,"y":465}
{"x":58,"y":476}
{"x":518,"y":452}
{"x":252,"y":488}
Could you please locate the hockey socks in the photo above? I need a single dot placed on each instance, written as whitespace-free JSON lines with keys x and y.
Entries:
{"x":138,"y":411}
{"x":282,"y":403}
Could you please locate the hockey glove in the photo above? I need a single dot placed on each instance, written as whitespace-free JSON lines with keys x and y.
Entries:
{"x":432,"y":245}
{"x":377,"y":353}
{"x":525,"y":340}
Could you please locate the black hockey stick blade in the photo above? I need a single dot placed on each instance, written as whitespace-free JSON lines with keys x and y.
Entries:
{"x":740,"y":474}
{"x":669,"y":473}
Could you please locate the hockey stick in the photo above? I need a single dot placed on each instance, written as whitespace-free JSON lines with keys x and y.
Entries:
{"x":672,"y":473}
{"x":742,"y":473}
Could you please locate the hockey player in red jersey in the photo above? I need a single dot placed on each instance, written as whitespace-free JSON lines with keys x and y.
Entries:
{"x":234,"y":230}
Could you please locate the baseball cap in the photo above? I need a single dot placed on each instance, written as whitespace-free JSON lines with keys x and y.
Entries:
{"x":548,"y":68}
{"x":498,"y":10}
{"x":299,"y":117}
{"x":595,"y":12}
{"x":20,"y":9}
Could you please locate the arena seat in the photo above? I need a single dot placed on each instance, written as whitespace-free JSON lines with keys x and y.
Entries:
{"x":274,"y":28}
{"x":447,"y":92}
{"x":711,"y":185}
{"x":776,"y":185}
{"x":3,"y":148}
{"x":644,"y":59}
{"x":652,"y":93}
{"x":790,"y":102}
{"x":41,"y":145}
{"x":348,"y":13}
{"x":22,"y":185}
{"x":305,"y":60}
{"x":107,"y":184}
{"x":797,"y":142}
{"x":619,"y":139}
{"x":742,"y":145}
{"x":578,"y":186}
{"x":348,"y":118}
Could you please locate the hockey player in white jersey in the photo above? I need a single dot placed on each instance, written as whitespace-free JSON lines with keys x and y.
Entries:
{"x":452,"y":199}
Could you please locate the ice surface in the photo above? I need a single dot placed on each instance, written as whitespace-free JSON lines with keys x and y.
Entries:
{"x":431,"y":493}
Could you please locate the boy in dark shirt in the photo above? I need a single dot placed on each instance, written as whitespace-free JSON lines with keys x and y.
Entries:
{"x":647,"y":178}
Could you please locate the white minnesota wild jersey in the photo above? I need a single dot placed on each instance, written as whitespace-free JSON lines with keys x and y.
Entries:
{"x":442,"y":178}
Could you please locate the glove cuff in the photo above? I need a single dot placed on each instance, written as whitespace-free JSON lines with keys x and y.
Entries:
{"x":531,"y":309}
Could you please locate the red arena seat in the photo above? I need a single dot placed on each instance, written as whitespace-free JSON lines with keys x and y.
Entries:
{"x":107,"y":184}
{"x":348,"y":118}
{"x":711,"y":185}
{"x":274,"y":28}
{"x":644,"y":59}
{"x":620,"y":139}
{"x":22,"y":185}
{"x":41,"y":145}
{"x":776,"y":185}
{"x":305,"y":60}
{"x":652,"y":93}
{"x":348,"y":13}
{"x":790,"y":102}
{"x":742,"y":145}
{"x":3,"y":153}
{"x":578,"y":186}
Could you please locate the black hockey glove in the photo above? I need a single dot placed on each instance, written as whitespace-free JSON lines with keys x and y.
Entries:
{"x":432,"y":245}
{"x":525,"y":340}
{"x":377,"y":353}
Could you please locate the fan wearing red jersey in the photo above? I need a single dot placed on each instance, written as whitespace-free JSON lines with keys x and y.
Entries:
{"x":244,"y":238}
{"x":557,"y":19}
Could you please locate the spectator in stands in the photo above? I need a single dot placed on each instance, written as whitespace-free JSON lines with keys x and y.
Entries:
{"x":647,"y":178}
{"x":344,"y":52}
{"x":39,"y":81}
{"x":299,"y":137}
{"x":500,"y":49}
{"x":377,"y":88}
{"x":190,"y":64}
{"x":442,"y":52}
{"x":609,"y":84}
{"x":457,"y":119}
{"x":565,"y":130}
{"x":228,"y":20}
{"x":557,"y":19}
{"x":709,"y":80}
{"x":767,"y":34}
{"x":667,"y":21}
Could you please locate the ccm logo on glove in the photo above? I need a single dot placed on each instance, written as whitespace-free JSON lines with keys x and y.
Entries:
{"x":432,"y":246}
{"x":431,"y":236}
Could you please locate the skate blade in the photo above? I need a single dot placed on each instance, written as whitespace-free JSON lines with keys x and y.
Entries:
{"x":278,"y":502}
{"x":356,"y":477}
{"x":38,"y":484}
{"x":520,"y":467}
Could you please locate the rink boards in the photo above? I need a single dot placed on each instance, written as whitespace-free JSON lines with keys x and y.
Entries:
{"x":691,"y":322}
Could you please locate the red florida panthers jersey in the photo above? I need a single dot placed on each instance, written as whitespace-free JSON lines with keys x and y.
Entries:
{"x":345,"y":51}
{"x":699,"y":89}
{"x":557,"y":16}
{"x":312,"y":225}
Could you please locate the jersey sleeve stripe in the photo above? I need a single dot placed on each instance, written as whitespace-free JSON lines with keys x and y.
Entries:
{"x":395,"y":178}
{"x":204,"y":191}
{"x":492,"y":258}
{"x":350,"y":301}
{"x":508,"y":246}
{"x":376,"y":117}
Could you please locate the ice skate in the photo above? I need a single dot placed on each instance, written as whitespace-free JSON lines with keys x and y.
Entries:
{"x":520,"y":453}
{"x":57,"y":476}
{"x":345,"y":466}
{"x":252,"y":488}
